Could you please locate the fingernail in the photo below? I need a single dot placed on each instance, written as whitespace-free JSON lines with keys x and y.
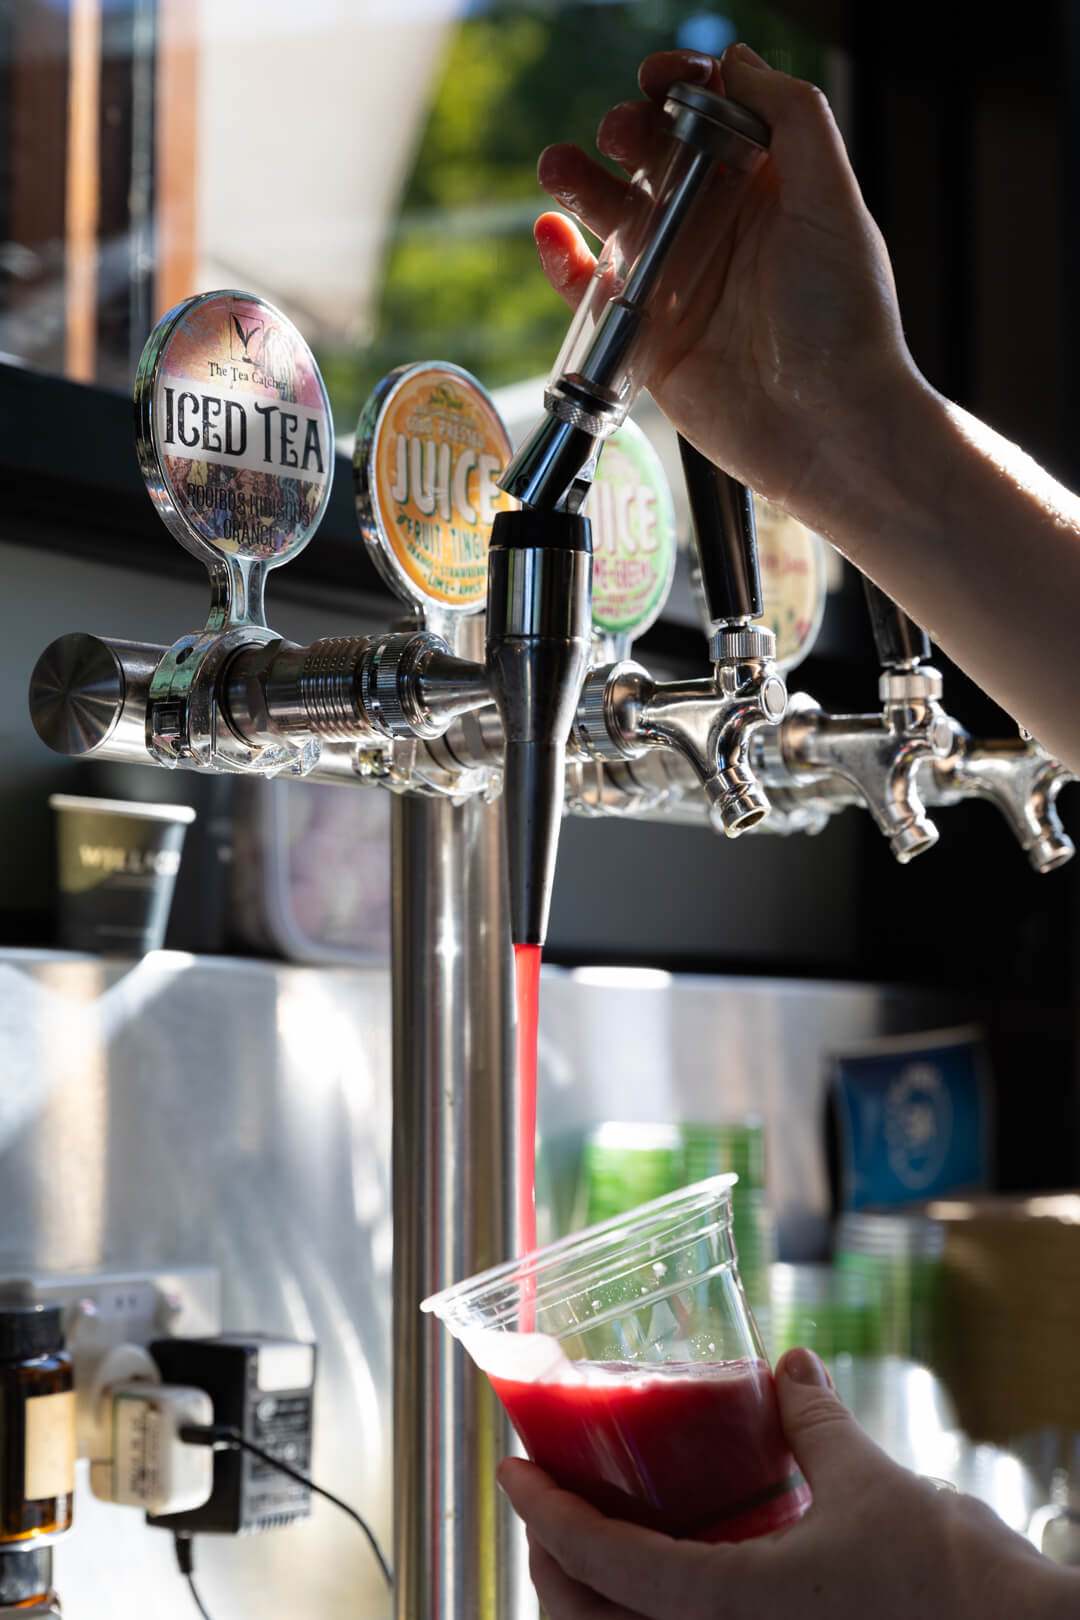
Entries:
{"x":803,"y":1367}
{"x":745,"y":56}
{"x":697,"y":69}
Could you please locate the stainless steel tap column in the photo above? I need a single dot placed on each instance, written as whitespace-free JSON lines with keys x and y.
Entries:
{"x":458,"y":1553}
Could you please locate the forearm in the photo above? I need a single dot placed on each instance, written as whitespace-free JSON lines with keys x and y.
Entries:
{"x":1032,"y":1586}
{"x":976,"y":542}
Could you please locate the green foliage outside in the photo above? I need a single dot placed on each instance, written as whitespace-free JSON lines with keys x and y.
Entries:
{"x":461,"y":280}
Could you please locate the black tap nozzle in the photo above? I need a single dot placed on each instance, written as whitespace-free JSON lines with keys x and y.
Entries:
{"x":538,"y":642}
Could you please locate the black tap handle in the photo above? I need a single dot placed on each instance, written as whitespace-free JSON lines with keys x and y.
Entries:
{"x":722,"y":515}
{"x":898,"y":639}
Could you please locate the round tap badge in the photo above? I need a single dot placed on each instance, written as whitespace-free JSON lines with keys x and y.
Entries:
{"x":793,"y":584}
{"x":235,"y":437}
{"x":430,"y":448}
{"x":633,"y":525}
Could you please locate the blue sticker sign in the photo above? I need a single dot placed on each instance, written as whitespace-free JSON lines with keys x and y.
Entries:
{"x":911,"y":1119}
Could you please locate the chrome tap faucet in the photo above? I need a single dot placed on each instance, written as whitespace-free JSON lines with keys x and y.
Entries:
{"x":876,"y":756}
{"x":711,"y":722}
{"x":1020,"y":778}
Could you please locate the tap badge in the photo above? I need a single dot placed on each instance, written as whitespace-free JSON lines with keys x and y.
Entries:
{"x":634,"y":536}
{"x":235,"y":435}
{"x":793,"y":581}
{"x":430,"y":448}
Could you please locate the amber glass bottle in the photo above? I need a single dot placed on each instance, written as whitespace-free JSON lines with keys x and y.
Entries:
{"x":37,"y":1425}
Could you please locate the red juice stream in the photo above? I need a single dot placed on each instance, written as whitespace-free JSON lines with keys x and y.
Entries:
{"x":527,"y":979}
{"x":693,"y":1450}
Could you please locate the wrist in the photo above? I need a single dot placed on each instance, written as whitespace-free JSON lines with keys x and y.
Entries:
{"x":881,"y":468}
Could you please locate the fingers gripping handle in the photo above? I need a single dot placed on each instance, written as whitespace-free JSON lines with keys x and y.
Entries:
{"x":722,"y":515}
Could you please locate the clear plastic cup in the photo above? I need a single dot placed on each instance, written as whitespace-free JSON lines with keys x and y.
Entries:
{"x":630,"y":1365}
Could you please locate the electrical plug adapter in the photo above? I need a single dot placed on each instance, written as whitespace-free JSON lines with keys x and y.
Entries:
{"x":148,"y":1465}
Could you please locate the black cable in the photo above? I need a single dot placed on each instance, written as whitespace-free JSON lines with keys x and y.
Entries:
{"x":224,"y":1438}
{"x":185,"y":1558}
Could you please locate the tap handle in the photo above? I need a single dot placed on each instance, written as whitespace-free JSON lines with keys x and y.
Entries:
{"x":898,"y":639}
{"x":236,"y":443}
{"x":722,"y":516}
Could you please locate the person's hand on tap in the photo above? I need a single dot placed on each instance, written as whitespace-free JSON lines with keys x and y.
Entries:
{"x":877,"y":1542}
{"x":791,"y":371}
{"x":795,"y":321}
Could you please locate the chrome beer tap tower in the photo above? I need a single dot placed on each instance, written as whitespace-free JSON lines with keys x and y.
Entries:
{"x":485,"y":737}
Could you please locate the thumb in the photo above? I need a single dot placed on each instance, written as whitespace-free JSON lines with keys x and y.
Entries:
{"x":827,"y":1442}
{"x":807,"y":150}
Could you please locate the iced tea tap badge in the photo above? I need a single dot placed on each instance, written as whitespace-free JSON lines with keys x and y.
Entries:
{"x":234,"y":430}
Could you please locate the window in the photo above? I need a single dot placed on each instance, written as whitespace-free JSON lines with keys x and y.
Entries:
{"x":369,"y":167}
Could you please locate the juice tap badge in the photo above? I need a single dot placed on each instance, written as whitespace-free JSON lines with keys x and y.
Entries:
{"x":634,"y":535}
{"x":234,"y":430}
{"x":430,"y":447}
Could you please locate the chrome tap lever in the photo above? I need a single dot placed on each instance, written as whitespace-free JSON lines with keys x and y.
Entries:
{"x":646,"y":273}
{"x":539,"y":631}
{"x":1021,"y":779}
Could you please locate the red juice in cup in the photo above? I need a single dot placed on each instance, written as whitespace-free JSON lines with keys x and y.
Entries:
{"x":694,"y":1450}
{"x":628,"y":1360}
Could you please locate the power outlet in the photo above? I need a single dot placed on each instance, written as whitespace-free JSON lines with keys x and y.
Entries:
{"x":110,"y":1318}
